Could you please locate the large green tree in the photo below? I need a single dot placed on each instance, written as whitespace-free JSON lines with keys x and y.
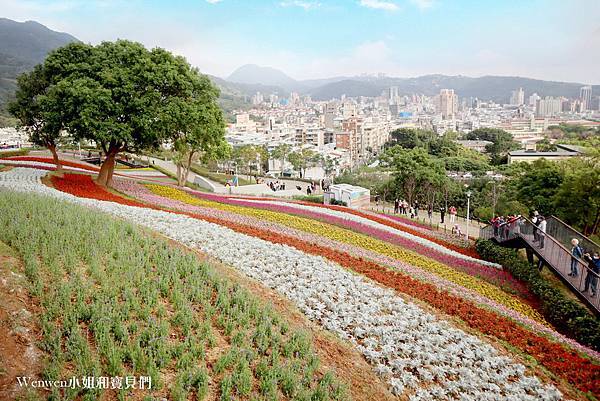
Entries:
{"x":38,"y":107}
{"x":194,"y":122}
{"x":115,"y":94}
{"x":502,"y":142}
{"x":577,"y":200}
{"x":415,"y":173}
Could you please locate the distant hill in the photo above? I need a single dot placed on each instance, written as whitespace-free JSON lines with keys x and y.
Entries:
{"x":22,"y":46}
{"x":252,"y":74}
{"x":494,"y":88}
{"x":251,"y":78}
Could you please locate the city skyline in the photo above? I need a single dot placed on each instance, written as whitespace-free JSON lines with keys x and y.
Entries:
{"x":321,"y":39}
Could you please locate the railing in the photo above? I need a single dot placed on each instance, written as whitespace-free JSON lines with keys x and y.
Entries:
{"x":553,"y":252}
{"x":564,"y":233}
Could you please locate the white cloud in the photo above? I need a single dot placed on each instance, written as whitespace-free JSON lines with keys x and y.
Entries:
{"x":213,"y":1}
{"x":380,"y":5}
{"x":306,"y":5}
{"x":422,"y":4}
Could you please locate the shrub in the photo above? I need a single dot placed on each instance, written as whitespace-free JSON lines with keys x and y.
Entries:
{"x":14,"y":152}
{"x":309,"y":198}
{"x":337,"y":202}
{"x":567,"y":316}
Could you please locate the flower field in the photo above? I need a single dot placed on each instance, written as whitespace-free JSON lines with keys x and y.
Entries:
{"x":391,"y":290}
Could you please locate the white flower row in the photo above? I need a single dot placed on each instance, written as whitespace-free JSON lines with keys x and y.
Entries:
{"x":383,"y":227}
{"x":410,"y":348}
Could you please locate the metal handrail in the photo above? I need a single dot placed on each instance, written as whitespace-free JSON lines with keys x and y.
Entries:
{"x":554,"y":253}
{"x":555,"y":224}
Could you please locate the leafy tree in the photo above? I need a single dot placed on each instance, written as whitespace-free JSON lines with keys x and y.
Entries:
{"x":410,"y":138}
{"x":415,"y":172}
{"x":304,"y":158}
{"x":502,"y":142}
{"x":116,"y":94}
{"x":577,"y":201}
{"x":545,"y":146}
{"x":247,"y":156}
{"x":537,"y":185}
{"x":196,"y":126}
{"x":281,"y":152}
{"x":37,"y":107}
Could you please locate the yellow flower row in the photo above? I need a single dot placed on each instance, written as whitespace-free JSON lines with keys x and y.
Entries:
{"x":346,"y":236}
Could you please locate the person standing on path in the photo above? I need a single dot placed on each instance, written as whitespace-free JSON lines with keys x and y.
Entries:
{"x":396,"y":206}
{"x":576,"y":253}
{"x":452,"y":214}
{"x":442,"y":214}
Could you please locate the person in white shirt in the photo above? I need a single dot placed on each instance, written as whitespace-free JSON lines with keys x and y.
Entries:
{"x":542,"y":230}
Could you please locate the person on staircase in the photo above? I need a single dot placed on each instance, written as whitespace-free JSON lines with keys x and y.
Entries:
{"x":576,"y":253}
{"x":542,"y":230}
{"x":594,"y":270}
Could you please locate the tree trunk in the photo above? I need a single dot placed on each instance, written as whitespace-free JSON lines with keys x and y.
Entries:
{"x":59,"y":168}
{"x":179,"y":174}
{"x":106,"y":170}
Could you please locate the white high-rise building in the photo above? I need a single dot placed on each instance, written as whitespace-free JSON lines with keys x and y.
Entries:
{"x":548,"y":106}
{"x":447,"y":103}
{"x":585,"y":95}
{"x":518,"y":97}
{"x":533,"y":99}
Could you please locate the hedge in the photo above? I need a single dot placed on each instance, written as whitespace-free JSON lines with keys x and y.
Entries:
{"x":566,"y":315}
{"x":14,"y":152}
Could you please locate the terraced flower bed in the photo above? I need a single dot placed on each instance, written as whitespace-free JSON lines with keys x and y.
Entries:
{"x":118,"y":302}
{"x":420,"y":355}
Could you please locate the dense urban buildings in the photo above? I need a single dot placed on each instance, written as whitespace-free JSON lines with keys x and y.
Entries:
{"x":350,"y":131}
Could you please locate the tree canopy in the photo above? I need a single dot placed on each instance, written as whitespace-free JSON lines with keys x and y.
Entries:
{"x":502,"y":142}
{"x":124,"y":97}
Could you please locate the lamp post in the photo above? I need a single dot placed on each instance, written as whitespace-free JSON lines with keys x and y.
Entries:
{"x":468,"y":214}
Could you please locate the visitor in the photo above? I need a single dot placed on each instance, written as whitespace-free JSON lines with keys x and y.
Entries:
{"x":377,"y":200}
{"x":456,"y":230}
{"x":442,"y":214}
{"x":535,"y":219}
{"x":396,"y":206}
{"x":411,"y":211}
{"x":429,"y":212}
{"x":593,"y":271}
{"x":308,"y":190}
{"x":576,"y":253}
{"x":416,"y":209}
{"x":542,"y":231}
{"x":495,"y":225}
{"x":452,"y":214}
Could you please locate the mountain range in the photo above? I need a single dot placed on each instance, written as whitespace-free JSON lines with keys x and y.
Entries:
{"x":497,"y":88}
{"x":22,"y":46}
{"x":25,"y":44}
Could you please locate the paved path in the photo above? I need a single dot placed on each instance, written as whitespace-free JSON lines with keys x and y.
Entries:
{"x":474,"y":226}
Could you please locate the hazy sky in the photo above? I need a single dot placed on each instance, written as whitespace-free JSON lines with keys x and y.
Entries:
{"x":547,"y":39}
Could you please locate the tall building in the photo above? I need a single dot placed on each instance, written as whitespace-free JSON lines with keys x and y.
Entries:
{"x":585,"y":94}
{"x":329,"y":115}
{"x":517,"y":97}
{"x":447,"y":103}
{"x":533,"y":99}
{"x":548,"y":106}
{"x":394,"y":94}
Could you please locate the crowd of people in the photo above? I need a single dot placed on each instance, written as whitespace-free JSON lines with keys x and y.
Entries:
{"x":505,"y":227}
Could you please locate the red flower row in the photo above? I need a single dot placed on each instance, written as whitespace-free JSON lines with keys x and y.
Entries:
{"x":50,"y":160}
{"x":567,"y":364}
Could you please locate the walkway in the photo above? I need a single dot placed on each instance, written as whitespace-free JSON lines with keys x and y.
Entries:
{"x":554,"y":254}
{"x":474,"y":225}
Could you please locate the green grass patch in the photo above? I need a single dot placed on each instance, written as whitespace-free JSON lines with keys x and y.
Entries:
{"x":220,"y":178}
{"x":117,"y":301}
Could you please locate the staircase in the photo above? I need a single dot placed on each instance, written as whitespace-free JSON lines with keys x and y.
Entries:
{"x":556,"y":253}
